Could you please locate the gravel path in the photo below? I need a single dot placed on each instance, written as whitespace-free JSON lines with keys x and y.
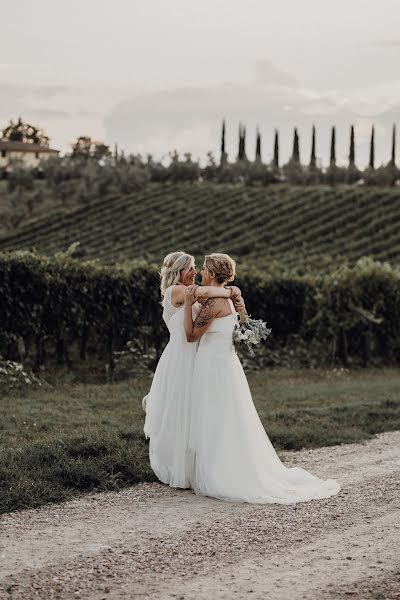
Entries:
{"x":154,"y":542}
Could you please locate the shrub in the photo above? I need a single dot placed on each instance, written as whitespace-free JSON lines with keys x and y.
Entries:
{"x":13,"y":375}
{"x":62,"y":309}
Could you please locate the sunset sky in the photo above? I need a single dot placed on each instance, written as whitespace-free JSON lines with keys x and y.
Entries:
{"x":162,"y":75}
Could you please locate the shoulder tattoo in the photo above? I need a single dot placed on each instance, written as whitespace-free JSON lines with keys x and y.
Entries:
{"x":206,"y":314}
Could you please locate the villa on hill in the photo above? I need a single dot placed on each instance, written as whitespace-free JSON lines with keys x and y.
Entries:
{"x":28,"y":153}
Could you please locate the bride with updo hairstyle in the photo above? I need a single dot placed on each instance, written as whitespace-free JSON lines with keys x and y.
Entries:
{"x":221,"y":266}
{"x":229,"y":453}
{"x":167,"y":403}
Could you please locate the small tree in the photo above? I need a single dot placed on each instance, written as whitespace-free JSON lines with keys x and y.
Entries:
{"x":240,"y":148}
{"x":390,"y":172}
{"x":393,"y":156}
{"x":353,"y":174}
{"x":82,"y":147}
{"x":313,"y":175}
{"x":20,"y":177}
{"x":258,"y":146}
{"x":242,"y":142}
{"x":296,"y":147}
{"x":183,"y":170}
{"x":335,"y":174}
{"x":352,"y":153}
{"x":224,"y":156}
{"x":275,"y":160}
{"x":85,"y":148}
{"x":372,"y":149}
{"x":24,"y":132}
{"x":313,"y":159}
{"x":333,"y":148}
{"x":293,"y":170}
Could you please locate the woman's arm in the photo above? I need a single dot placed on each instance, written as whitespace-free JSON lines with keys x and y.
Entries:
{"x":212,"y":291}
{"x":240,"y":306}
{"x":210,"y":309}
{"x":204,"y":292}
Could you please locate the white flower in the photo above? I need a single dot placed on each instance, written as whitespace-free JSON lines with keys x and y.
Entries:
{"x":250,"y":333}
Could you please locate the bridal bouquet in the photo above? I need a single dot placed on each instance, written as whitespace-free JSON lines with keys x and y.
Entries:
{"x":250,"y":332}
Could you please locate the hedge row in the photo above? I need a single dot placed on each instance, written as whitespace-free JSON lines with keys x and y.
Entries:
{"x":60,"y":308}
{"x":68,"y":309}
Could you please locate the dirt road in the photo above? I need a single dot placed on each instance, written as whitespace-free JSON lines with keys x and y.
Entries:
{"x":154,"y":542}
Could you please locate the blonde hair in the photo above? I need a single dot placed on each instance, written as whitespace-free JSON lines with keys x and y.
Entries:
{"x":222,"y":266}
{"x":171,"y":268}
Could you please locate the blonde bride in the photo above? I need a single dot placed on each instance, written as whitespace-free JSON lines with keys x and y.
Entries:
{"x":166,"y":404}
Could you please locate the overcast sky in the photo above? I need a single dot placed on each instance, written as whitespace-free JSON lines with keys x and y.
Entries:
{"x":161,"y":75}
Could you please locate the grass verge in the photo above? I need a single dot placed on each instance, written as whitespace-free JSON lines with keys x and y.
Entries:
{"x":57,"y":442}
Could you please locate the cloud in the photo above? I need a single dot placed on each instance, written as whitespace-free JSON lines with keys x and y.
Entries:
{"x":41,"y":113}
{"x":386,"y":43}
{"x":39,"y":91}
{"x":189,"y":118}
{"x":19,"y":99}
{"x":64,"y":112}
{"x":7,"y":66}
{"x":267,"y":73}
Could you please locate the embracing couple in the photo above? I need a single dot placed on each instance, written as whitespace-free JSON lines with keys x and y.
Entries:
{"x":204,"y":429}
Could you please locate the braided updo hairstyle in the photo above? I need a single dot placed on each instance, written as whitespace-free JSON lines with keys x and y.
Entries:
{"x":222,"y":266}
{"x":171,"y":269}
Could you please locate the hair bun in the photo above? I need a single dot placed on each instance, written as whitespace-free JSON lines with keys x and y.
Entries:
{"x":222,"y":265}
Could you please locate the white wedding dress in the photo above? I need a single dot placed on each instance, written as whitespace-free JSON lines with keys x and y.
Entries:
{"x":166,"y":404}
{"x":231,"y":455}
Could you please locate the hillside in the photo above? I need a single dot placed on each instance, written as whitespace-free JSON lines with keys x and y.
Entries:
{"x":294,"y":225}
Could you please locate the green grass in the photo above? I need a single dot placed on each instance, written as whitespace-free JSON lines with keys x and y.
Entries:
{"x":57,"y":442}
{"x":296,"y":226}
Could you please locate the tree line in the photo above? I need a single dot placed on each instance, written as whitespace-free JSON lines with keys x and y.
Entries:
{"x":96,"y":169}
{"x":296,"y":172}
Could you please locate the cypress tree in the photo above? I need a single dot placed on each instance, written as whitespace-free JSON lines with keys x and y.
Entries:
{"x":296,"y":148}
{"x":258,"y":146}
{"x":352,"y":154}
{"x":275,"y":161}
{"x":372,"y":149}
{"x":333,"y":147}
{"x":240,"y":150}
{"x":244,"y":143}
{"x":223,"y":153}
{"x":313,"y":159}
{"x":393,"y":158}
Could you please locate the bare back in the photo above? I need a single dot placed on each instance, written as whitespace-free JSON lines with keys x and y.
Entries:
{"x":213,"y":308}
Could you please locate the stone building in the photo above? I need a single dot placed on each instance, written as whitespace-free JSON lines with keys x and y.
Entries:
{"x":29,"y":154}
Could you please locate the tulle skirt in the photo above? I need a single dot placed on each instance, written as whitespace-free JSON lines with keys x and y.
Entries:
{"x":167,"y":416}
{"x":231,"y":456}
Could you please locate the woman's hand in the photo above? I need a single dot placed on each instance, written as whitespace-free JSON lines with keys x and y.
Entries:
{"x":190,"y":295}
{"x":236,"y":297}
{"x":202,"y":299}
{"x":235,"y":292}
{"x":239,"y":304}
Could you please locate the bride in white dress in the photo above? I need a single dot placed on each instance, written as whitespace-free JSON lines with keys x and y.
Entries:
{"x":166,"y":404}
{"x":230,"y":453}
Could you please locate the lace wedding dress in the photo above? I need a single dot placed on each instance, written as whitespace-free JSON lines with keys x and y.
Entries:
{"x":231,"y":455}
{"x":166,"y":404}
